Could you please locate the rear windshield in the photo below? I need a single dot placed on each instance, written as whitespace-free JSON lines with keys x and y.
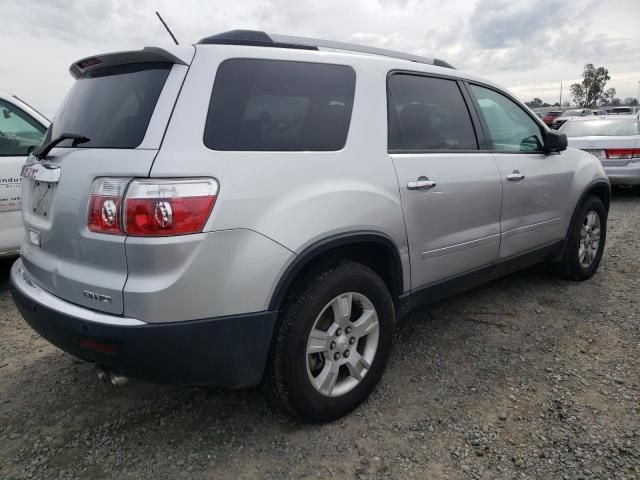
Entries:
{"x":275,"y":105}
{"x":601,"y":128}
{"x":111,"y":106}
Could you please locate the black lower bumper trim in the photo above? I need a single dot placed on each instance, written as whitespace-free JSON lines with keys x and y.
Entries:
{"x":226,"y":351}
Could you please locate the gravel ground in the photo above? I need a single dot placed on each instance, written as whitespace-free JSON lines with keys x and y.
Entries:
{"x":527,"y":377}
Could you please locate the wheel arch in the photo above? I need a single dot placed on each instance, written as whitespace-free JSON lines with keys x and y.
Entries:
{"x":599,"y":188}
{"x":373,"y":249}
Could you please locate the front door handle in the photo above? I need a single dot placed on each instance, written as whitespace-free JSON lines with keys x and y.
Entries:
{"x":516,"y":176}
{"x":423,"y":183}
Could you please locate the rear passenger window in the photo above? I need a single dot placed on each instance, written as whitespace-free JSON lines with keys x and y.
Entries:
{"x":274,"y":105}
{"x":427,"y":113}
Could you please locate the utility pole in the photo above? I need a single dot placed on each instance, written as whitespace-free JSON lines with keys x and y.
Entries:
{"x":561,"y":95}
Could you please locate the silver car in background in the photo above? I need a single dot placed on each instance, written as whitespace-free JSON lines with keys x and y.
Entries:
{"x":262,"y":207}
{"x":614,"y":141}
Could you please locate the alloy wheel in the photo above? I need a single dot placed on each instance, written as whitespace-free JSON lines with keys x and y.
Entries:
{"x":590,"y":234}
{"x":342,"y":344}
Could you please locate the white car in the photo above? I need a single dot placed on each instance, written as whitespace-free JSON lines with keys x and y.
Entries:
{"x":614,"y":140}
{"x":21,"y":130}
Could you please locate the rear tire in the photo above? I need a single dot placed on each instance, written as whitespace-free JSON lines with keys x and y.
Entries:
{"x":585,"y":243}
{"x":332,"y":342}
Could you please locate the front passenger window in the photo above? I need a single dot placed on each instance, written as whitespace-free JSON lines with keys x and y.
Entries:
{"x":510,"y":127}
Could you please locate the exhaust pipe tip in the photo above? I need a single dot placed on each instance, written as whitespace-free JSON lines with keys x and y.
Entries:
{"x":111,"y":377}
{"x":119,"y":380}
{"x":103,"y":374}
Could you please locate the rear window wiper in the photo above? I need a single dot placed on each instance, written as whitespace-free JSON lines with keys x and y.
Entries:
{"x":43,"y":150}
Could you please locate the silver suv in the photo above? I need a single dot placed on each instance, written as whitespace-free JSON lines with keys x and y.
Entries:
{"x":261,"y":207}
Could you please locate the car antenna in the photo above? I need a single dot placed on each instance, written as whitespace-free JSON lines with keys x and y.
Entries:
{"x":168,"y":29}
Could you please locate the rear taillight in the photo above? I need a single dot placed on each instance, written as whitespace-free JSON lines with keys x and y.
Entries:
{"x":150,"y":207}
{"x":623,"y":153}
{"x":105,"y":205}
{"x":168,"y":207}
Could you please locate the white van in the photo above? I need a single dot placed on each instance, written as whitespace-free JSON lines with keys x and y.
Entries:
{"x":21,"y":130}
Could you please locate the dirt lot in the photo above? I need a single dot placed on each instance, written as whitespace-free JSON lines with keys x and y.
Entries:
{"x":527,"y":377}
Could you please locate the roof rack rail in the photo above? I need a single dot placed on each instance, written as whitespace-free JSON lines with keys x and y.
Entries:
{"x":262,"y":39}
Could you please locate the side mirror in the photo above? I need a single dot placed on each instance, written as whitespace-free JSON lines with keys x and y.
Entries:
{"x":555,"y":142}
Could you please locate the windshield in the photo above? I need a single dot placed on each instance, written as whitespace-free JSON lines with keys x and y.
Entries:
{"x":572,"y":113}
{"x":601,"y":128}
{"x":111,"y":106}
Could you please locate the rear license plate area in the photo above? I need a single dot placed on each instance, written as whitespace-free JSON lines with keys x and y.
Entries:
{"x":41,"y":198}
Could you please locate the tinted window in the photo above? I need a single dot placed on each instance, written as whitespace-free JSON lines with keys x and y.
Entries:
{"x":510,"y":127}
{"x":273,"y":105}
{"x":18,"y":131}
{"x":111,"y":106}
{"x":428,"y":113}
{"x":602,"y":128}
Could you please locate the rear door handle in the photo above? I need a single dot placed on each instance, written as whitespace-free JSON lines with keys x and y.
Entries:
{"x":423,"y":183}
{"x":515,"y":176}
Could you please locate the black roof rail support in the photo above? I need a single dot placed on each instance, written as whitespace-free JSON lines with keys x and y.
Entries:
{"x":253,"y":38}
{"x":441,"y":63}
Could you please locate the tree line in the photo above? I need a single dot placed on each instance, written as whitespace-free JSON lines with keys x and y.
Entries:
{"x":590,"y":92}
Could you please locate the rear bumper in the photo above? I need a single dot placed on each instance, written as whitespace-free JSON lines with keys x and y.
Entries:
{"x":226,"y":351}
{"x":624,"y":175}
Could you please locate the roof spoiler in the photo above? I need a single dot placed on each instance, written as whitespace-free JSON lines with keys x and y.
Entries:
{"x":181,"y":55}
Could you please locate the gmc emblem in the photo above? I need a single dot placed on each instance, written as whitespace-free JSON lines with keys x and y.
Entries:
{"x":96,"y":297}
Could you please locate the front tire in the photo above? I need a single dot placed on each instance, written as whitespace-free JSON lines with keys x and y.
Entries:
{"x":332,"y":342}
{"x":586,"y":240}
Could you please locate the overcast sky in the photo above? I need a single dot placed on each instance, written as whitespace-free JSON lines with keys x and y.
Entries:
{"x":528,"y":46}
